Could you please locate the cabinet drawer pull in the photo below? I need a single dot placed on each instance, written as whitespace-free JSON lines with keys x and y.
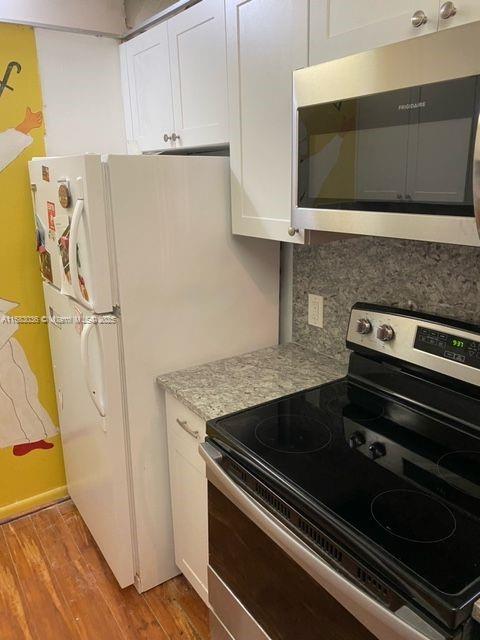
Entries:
{"x":184,"y":424}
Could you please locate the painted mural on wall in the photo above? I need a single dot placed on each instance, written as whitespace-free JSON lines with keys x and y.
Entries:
{"x":31,"y":462}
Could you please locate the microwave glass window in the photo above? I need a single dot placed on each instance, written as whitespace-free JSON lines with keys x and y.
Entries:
{"x":405,"y":150}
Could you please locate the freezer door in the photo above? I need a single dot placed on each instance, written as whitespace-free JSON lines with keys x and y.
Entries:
{"x":71,"y":227}
{"x":88,"y":384}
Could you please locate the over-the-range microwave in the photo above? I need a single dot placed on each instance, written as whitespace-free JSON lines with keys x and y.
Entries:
{"x":387,"y":142}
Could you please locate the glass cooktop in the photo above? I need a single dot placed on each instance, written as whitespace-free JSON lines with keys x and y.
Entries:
{"x":399,"y":477}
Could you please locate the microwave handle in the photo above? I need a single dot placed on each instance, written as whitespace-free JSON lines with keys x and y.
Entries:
{"x":476,"y":176}
{"x":380,"y":621}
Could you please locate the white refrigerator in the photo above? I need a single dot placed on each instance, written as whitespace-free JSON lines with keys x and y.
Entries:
{"x":141,"y":275}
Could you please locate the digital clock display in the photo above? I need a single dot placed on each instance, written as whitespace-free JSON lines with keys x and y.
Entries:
{"x":448,"y":346}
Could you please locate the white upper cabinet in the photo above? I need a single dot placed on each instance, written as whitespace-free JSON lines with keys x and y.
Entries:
{"x":341,"y":27}
{"x":266,"y":41}
{"x":199,"y":74}
{"x":147,"y":89}
{"x":453,"y":14}
{"x":175,"y":81}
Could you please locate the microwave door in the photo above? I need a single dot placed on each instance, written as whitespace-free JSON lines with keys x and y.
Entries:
{"x":382,"y":144}
{"x":444,"y":128}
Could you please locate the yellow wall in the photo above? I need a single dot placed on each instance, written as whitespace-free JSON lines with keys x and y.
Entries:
{"x":38,"y":477}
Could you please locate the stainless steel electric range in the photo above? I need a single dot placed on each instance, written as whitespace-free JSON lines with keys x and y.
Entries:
{"x":352,"y":510}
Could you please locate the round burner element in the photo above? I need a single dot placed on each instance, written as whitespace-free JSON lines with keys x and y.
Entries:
{"x":413,"y":516}
{"x":292,"y":433}
{"x":461,"y":470}
{"x":341,"y":407}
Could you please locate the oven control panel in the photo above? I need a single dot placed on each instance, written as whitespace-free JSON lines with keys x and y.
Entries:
{"x":438,"y":344}
{"x":449,"y":346}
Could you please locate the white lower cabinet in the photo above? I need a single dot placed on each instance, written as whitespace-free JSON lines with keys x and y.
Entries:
{"x":188,"y":486}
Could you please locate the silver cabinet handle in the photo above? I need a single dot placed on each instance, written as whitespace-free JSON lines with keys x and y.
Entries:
{"x":419,"y":18}
{"x":292,"y":231}
{"x":166,"y":137}
{"x":447,"y":10}
{"x":192,"y":432}
{"x":175,"y":137}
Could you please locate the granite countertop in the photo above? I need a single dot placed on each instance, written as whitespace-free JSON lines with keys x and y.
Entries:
{"x":217,"y":388}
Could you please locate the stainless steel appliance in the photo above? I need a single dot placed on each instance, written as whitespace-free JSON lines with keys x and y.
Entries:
{"x":387,"y":141}
{"x":352,"y":510}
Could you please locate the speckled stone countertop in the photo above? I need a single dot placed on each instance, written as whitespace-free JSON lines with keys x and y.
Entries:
{"x":229,"y":385}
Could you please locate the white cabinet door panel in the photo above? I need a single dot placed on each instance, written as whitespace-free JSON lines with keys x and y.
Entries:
{"x":341,"y":27}
{"x":266,"y":41}
{"x":188,"y":486}
{"x":199,"y":74}
{"x":466,"y":11}
{"x":149,"y":88}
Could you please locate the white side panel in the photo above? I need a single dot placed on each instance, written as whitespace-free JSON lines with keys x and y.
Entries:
{"x":82,"y":100}
{"x":190,"y":292}
{"x":84,"y":178}
{"x":94,"y":447}
{"x":199,"y":74}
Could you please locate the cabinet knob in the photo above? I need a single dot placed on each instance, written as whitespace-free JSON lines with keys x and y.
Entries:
{"x":419,"y":18}
{"x":292,"y":231}
{"x":175,"y":137}
{"x":447,"y":10}
{"x":166,"y":137}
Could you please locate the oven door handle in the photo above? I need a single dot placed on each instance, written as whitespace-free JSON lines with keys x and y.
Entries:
{"x":382,"y":622}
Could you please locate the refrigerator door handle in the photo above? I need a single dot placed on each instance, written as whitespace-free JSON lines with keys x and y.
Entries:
{"x":72,"y":254}
{"x":85,"y":358}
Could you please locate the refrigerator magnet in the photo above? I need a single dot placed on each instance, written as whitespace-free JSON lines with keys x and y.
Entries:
{"x":64,"y":196}
{"x":51,"y":216}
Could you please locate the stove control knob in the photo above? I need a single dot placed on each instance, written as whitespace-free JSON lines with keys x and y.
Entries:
{"x":356,"y":440}
{"x":385,"y":333}
{"x":364,"y":326}
{"x":377,"y":450}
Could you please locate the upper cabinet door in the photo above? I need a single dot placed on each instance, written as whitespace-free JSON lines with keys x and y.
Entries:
{"x":148,"y":94}
{"x":266,"y":41}
{"x":199,"y":74}
{"x":341,"y":27}
{"x":453,"y":14}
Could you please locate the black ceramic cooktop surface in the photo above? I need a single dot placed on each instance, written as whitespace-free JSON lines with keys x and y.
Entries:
{"x":406,"y":481}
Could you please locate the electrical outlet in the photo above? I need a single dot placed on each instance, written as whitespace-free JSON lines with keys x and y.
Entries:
{"x":315,"y":310}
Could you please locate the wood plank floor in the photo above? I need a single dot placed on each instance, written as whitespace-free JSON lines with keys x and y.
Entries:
{"x":55,"y":585}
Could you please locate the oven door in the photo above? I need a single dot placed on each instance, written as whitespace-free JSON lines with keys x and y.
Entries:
{"x":266,"y":584}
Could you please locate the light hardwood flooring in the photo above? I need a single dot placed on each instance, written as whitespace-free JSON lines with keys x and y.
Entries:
{"x":55,"y":585}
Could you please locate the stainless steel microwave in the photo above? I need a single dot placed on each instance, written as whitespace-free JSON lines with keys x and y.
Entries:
{"x":387,"y":142}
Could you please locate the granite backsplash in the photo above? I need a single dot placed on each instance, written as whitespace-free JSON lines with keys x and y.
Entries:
{"x":435,"y":278}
